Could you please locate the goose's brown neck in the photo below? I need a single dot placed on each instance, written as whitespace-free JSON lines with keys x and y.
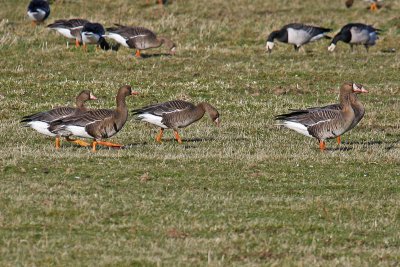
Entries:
{"x":80,"y":103}
{"x":121,"y":104}
{"x":345,"y":99}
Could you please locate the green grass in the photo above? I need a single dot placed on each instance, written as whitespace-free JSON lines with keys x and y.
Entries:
{"x":247,"y":193}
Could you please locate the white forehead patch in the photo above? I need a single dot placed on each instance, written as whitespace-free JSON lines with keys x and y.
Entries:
{"x":331,"y":47}
{"x":269,"y":45}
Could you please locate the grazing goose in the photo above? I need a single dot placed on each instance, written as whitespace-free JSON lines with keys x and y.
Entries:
{"x":175,"y":114}
{"x":357,"y":106}
{"x":296,"y":34}
{"x":356,"y":33}
{"x":97,"y":124}
{"x":324,"y":123}
{"x":138,"y":38}
{"x":92,"y":33}
{"x":38,"y":11}
{"x":42,"y":120}
{"x":70,"y":29}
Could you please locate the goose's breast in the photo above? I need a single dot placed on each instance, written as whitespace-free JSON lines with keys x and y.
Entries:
{"x":90,"y":38}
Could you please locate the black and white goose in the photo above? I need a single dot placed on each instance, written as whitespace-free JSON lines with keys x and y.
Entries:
{"x":38,"y":11}
{"x":92,"y":33}
{"x":356,"y":34}
{"x":296,"y":34}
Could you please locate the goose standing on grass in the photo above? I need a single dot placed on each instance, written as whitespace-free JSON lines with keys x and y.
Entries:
{"x":357,"y":106}
{"x":175,"y":114}
{"x":42,"y":120}
{"x":324,"y":123}
{"x":97,"y":124}
{"x":296,"y":34}
{"x":356,"y":34}
{"x":38,"y":11}
{"x":71,"y":29}
{"x":138,"y":38}
{"x":92,"y":33}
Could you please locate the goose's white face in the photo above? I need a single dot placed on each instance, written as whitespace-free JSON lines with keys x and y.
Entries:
{"x":331,"y":48}
{"x":269,"y":46}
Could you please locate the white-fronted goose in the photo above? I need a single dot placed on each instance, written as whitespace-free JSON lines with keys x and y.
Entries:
{"x":138,"y":38}
{"x":98,"y":124}
{"x":70,"y":29}
{"x":357,"y":106}
{"x":42,"y":120}
{"x":38,"y":11}
{"x":356,"y":34}
{"x":175,"y":114}
{"x":92,"y":33}
{"x":296,"y":34}
{"x":325,"y":123}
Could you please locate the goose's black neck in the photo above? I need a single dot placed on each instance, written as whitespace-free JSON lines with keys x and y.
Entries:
{"x":280,"y":35}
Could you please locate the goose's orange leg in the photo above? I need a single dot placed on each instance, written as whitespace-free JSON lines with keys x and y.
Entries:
{"x":58,"y":142}
{"x":94,"y":143}
{"x":373,"y":7}
{"x":177,"y":137}
{"x":85,"y":47}
{"x":322,"y":145}
{"x":78,"y":142}
{"x":160,"y":2}
{"x":159,"y":135}
{"x":339,"y":140}
{"x":137,"y":54}
{"x":77,"y":43}
{"x":34,"y":23}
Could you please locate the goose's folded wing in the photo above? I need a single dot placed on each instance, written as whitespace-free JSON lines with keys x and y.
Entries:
{"x":166,"y":107}
{"x":310,"y":117}
{"x":51,"y":115}
{"x":85,"y":118}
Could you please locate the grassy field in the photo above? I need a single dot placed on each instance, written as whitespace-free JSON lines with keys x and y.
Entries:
{"x":248,"y":193}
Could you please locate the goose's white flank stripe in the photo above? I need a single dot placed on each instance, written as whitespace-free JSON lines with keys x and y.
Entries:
{"x":118,"y":38}
{"x":156,"y":120}
{"x":298,"y":127}
{"x":65,"y":32}
{"x":78,"y":131}
{"x":41,"y":127}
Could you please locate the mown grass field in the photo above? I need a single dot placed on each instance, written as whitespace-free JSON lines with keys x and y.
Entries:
{"x":248,"y":193}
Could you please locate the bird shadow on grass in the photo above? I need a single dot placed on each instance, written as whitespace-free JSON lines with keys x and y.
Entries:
{"x":144,"y":56}
{"x":348,"y":146}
